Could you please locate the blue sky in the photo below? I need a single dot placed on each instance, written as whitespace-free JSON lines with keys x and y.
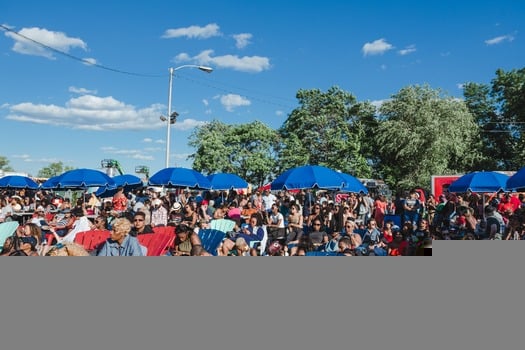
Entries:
{"x":59,"y":107}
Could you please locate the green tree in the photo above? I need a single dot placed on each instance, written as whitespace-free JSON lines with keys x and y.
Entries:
{"x":482,"y":106}
{"x":247,"y":150}
{"x":4,"y":164}
{"x":422,"y":133}
{"x":212,"y":149}
{"x":324,"y":130}
{"x":53,"y":169}
{"x":499,"y":110}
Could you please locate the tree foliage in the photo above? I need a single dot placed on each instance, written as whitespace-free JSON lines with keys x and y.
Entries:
{"x":418,"y":133}
{"x":247,"y":150}
{"x":499,"y":110}
{"x":424,"y":133}
{"x":53,"y":169}
{"x":324,"y":130}
{"x":4,"y":164}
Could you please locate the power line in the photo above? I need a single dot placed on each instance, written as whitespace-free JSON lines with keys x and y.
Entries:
{"x":115,"y":70}
{"x":60,"y":52}
{"x":251,"y":97}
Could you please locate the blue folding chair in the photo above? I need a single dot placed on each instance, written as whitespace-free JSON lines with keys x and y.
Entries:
{"x":7,"y":229}
{"x":211,"y":240}
{"x":396,"y":219}
{"x":320,"y":253}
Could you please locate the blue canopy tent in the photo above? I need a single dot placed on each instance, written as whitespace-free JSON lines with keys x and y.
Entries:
{"x":179,"y":178}
{"x":308,"y":176}
{"x":127,"y":181}
{"x":480,"y":182}
{"x":226,"y":181}
{"x":18,"y":182}
{"x":78,"y":179}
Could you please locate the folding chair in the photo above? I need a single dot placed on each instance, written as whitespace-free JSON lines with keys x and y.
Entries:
{"x":211,"y":239}
{"x":7,"y":229}
{"x":224,"y":225}
{"x":263,"y":242}
{"x":320,"y":253}
{"x":93,"y":239}
{"x":396,"y":219}
{"x":157,"y":244}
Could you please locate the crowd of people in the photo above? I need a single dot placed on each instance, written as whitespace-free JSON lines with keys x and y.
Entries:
{"x":473,"y":216}
{"x":271,"y":223}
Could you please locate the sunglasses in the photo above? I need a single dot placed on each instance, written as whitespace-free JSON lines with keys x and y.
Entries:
{"x":138,"y":220}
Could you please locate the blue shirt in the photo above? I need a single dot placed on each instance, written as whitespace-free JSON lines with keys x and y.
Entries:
{"x":130,"y":247}
{"x":257,"y":236}
{"x":372,"y":236}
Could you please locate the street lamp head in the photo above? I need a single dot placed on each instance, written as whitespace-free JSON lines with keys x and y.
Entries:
{"x":163,"y":118}
{"x":206,"y":69}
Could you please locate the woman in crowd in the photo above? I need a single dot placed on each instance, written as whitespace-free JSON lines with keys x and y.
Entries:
{"x":190,"y":216}
{"x":100,"y":223}
{"x":120,"y":243}
{"x":184,"y":241}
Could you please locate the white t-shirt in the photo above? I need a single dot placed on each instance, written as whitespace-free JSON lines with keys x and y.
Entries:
{"x":268,"y":201}
{"x":80,"y":225}
{"x":275,"y":219}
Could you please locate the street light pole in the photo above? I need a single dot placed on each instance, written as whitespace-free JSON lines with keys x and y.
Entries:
{"x":171,"y":118}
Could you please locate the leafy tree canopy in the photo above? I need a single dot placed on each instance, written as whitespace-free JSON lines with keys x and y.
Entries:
{"x":54,"y":169}
{"x":423,"y":133}
{"x":247,"y":150}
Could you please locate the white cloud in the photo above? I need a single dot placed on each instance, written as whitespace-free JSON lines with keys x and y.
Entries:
{"x":377,"y":47}
{"x":21,"y":156}
{"x":205,"y":102}
{"x":154,"y":149}
{"x":128,"y":153}
{"x":142,"y":157}
{"x":56,"y":40}
{"x":499,"y":39}
{"x":89,"y":112}
{"x":191,"y":32}
{"x":279,"y":113}
{"x":460,"y":86}
{"x":147,"y":140}
{"x":182,"y":57}
{"x":187,"y":124}
{"x":244,"y":64}
{"x":81,"y":91}
{"x":232,"y":101}
{"x":408,"y":50}
{"x":242,"y":40}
